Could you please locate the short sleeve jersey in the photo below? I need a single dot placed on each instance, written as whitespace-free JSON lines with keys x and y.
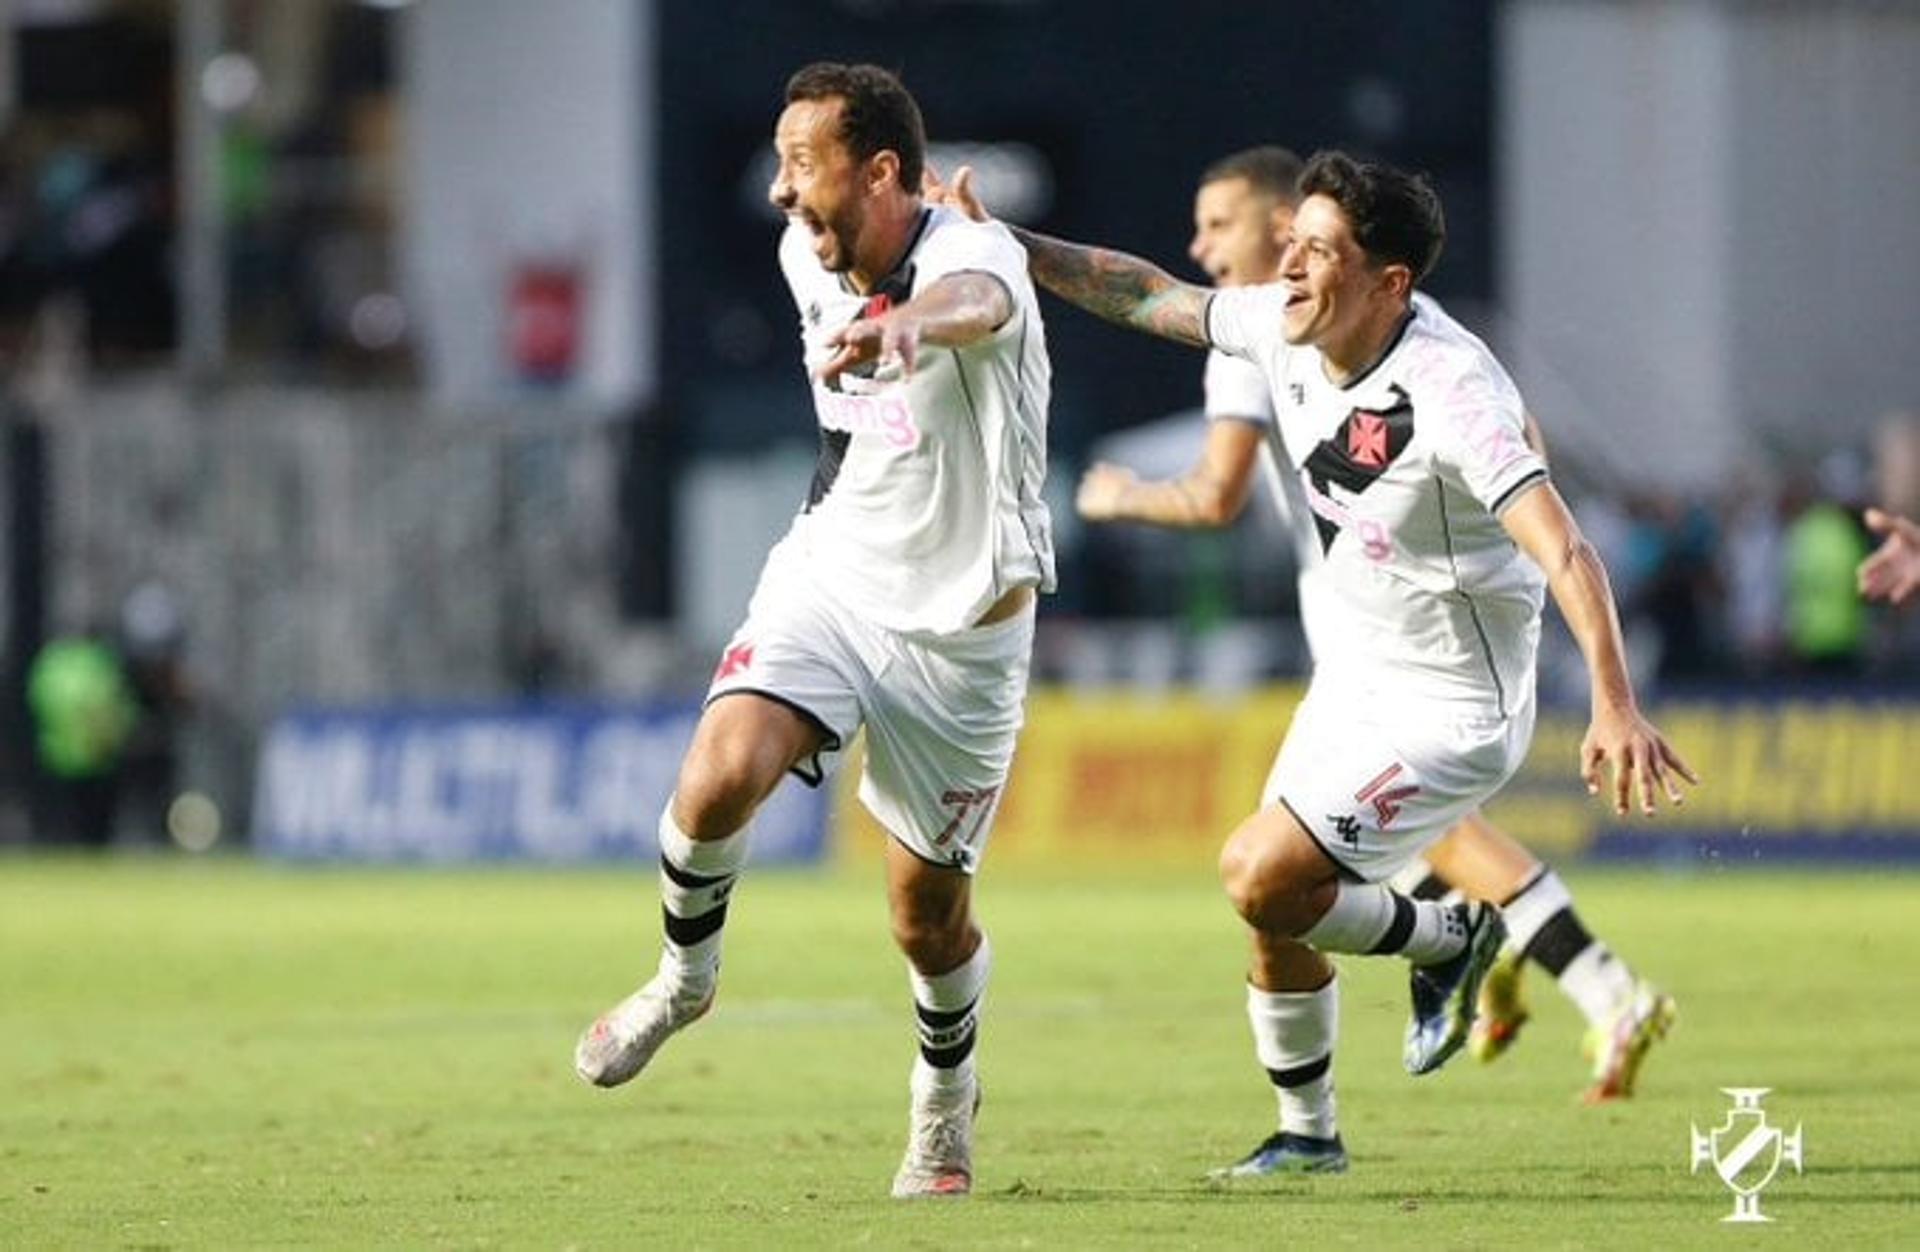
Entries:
{"x":926,"y":502}
{"x":1405,"y":470}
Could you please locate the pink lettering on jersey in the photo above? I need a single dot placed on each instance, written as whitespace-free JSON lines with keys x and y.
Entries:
{"x":885,"y":415}
{"x":1376,"y":538}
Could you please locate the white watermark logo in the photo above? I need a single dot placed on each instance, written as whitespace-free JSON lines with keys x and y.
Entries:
{"x":1746,"y":1152}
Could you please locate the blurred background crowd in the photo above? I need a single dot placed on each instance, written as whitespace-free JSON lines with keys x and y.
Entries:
{"x":372,"y":350}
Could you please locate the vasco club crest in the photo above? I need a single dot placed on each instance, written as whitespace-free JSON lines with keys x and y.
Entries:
{"x":1746,"y":1152}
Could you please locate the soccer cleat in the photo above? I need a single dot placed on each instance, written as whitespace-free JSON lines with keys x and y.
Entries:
{"x":939,"y":1159}
{"x":1502,"y":1009}
{"x":1287,"y":1153}
{"x":624,"y":1038}
{"x":1618,"y":1050}
{"x":1445,"y":993}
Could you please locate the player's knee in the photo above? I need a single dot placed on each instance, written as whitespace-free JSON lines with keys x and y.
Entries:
{"x":720,"y":785}
{"x":1263,"y":884}
{"x":1248,"y":874}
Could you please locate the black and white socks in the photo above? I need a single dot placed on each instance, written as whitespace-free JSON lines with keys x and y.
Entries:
{"x":1293,"y":1035}
{"x":946,"y":1011}
{"x":1543,"y":927}
{"x":1370,"y":920}
{"x":696,"y":881}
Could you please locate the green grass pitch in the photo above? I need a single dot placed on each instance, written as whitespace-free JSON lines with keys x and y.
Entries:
{"x":223,"y":1054}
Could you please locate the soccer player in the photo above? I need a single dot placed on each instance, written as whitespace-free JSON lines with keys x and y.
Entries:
{"x":1892,"y":572}
{"x":1410,"y":442}
{"x":1242,"y":212}
{"x":902,"y":600}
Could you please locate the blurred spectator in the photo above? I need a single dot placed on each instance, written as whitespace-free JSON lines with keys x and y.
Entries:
{"x":1680,"y":584}
{"x":1754,"y":563}
{"x":152,"y":640}
{"x":83,"y":710}
{"x":1826,"y":622}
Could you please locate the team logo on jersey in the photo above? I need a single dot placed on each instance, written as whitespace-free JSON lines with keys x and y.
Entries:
{"x":737,"y":660}
{"x":1367,"y":439}
{"x":1386,"y":800}
{"x":891,"y":290}
{"x":1366,"y":443}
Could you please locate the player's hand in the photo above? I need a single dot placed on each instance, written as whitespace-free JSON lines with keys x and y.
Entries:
{"x":958,"y":194}
{"x":891,"y":340}
{"x":1639,"y":758}
{"x":1892,"y":573}
{"x":1102,"y":489}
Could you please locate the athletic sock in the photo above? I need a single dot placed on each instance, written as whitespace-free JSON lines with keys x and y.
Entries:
{"x":696,"y":879}
{"x":1369,"y":920}
{"x":1417,"y":879}
{"x":946,"y":1009}
{"x":1293,"y":1035}
{"x":1529,"y":909}
{"x":1597,"y":981}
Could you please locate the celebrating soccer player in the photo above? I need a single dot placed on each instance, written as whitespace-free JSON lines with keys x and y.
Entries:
{"x":901,"y":600}
{"x":1242,"y":213}
{"x":1410,"y":443}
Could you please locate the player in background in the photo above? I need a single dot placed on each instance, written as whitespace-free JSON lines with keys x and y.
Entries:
{"x":1892,"y":571}
{"x":1241,"y":215}
{"x":1410,"y":440}
{"x":901,"y":601}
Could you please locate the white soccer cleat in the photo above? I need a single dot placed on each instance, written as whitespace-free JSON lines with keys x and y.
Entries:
{"x":1618,"y":1049}
{"x":624,"y":1038}
{"x":939,"y":1160}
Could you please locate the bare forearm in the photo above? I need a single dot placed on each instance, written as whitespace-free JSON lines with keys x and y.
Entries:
{"x":1581,"y":588}
{"x":1118,"y":287}
{"x":1192,"y":502}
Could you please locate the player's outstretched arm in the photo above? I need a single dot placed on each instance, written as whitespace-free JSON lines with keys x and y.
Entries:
{"x":1892,"y":573}
{"x":1209,"y":495}
{"x":1619,"y":739}
{"x":954,"y":311}
{"x":1109,"y":284}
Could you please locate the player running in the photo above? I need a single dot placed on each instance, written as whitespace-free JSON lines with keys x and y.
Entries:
{"x":1409,"y":439}
{"x":1242,"y":212}
{"x":901,"y":601}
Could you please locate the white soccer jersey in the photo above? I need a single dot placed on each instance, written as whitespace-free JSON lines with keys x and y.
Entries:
{"x":1405,"y":470}
{"x":926,"y":503}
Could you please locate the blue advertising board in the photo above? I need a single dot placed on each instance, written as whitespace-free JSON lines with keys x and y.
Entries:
{"x":542,"y":783}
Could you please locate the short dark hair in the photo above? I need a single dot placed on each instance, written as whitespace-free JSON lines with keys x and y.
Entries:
{"x":1395,"y":215}
{"x":1269,"y":169}
{"x":877,"y":113}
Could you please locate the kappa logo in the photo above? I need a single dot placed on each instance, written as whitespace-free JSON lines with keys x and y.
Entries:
{"x":1746,"y":1152}
{"x":813,"y":312}
{"x":1347,"y":826}
{"x":1297,"y":392}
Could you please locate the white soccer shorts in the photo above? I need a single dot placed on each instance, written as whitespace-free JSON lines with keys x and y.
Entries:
{"x":941,"y":712}
{"x":1376,"y":782}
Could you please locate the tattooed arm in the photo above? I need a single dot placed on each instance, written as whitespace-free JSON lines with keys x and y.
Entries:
{"x":1115,"y":286}
{"x":1118,"y":287}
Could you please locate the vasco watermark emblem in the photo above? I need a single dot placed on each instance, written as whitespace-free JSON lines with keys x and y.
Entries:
{"x":1746,"y":1152}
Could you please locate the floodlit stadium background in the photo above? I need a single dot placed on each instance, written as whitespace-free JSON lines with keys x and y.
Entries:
{"x":414,"y":382}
